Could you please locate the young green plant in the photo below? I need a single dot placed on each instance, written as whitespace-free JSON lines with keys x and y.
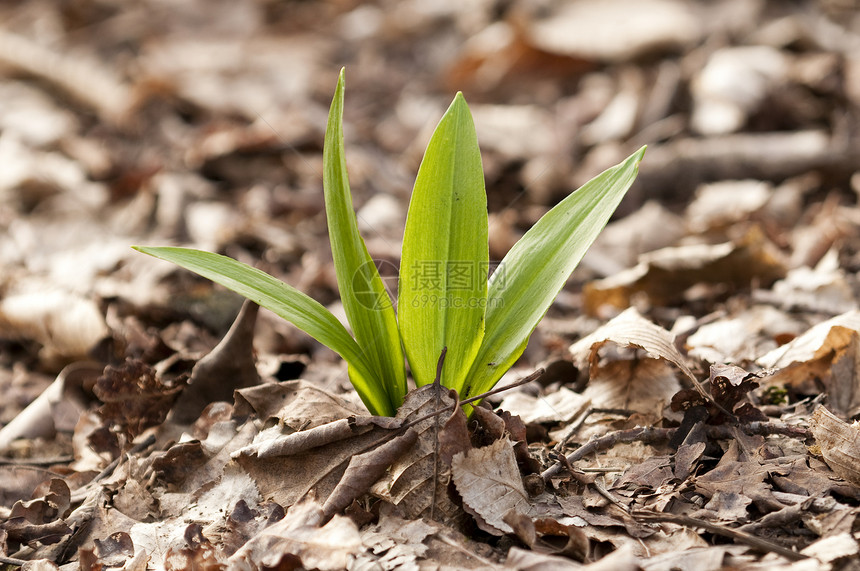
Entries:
{"x":446,"y":297}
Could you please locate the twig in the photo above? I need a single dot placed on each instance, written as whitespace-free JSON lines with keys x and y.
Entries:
{"x":748,"y":539}
{"x":12,"y":561}
{"x":84,"y":78}
{"x":650,"y":435}
{"x":523,"y":381}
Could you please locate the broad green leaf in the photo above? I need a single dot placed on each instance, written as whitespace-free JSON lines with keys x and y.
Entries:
{"x":287,"y":302}
{"x":533,"y":272}
{"x":443,"y":267}
{"x":362,"y":292}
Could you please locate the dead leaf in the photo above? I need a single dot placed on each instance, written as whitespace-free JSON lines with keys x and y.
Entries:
{"x":644,"y":385}
{"x":665,"y":275}
{"x":229,"y":366}
{"x":301,"y":539}
{"x":304,"y":440}
{"x":588,"y":29}
{"x":296,"y":404}
{"x":562,"y":405}
{"x":632,"y":330}
{"x":834,"y":548}
{"x":67,"y":326}
{"x":826,"y":354}
{"x":723,"y":203}
{"x":135,"y":397}
{"x":365,"y":469}
{"x":418,"y":481}
{"x":839,"y":443}
{"x":490,"y":484}
{"x":197,"y":553}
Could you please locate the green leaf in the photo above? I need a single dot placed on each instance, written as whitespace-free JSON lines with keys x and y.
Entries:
{"x":367,"y":305}
{"x":443,"y":268}
{"x":533,"y":272}
{"x":287,"y":302}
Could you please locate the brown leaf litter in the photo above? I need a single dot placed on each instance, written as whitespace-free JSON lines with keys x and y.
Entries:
{"x":701,"y":378}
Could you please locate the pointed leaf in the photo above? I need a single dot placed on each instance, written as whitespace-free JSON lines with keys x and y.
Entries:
{"x":443,"y":269}
{"x":533,"y":272}
{"x":362,"y":292}
{"x":287,"y":302}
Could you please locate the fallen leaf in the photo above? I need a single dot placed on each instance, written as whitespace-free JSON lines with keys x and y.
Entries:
{"x":665,"y":275}
{"x":229,"y":366}
{"x":630,"y":329}
{"x":489,"y":482}
{"x":301,"y":539}
{"x":644,"y":385}
{"x":296,"y":404}
{"x":135,"y":397}
{"x":824,"y":354}
{"x":591,"y":28}
{"x":67,"y":325}
{"x":562,"y":405}
{"x":417,"y":482}
{"x":365,"y":469}
{"x":839,"y":443}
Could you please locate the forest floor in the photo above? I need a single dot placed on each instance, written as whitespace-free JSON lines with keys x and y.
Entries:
{"x":700,"y":369}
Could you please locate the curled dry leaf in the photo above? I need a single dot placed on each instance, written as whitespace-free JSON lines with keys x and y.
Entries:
{"x":632,"y":330}
{"x":664,"y":275}
{"x":825,"y":353}
{"x":365,"y":469}
{"x":300,"y":540}
{"x":66,"y":325}
{"x":134,"y":397}
{"x":839,"y":443}
{"x":296,"y":404}
{"x":490,"y":484}
{"x":229,"y":366}
{"x":303,"y":440}
{"x":644,"y":384}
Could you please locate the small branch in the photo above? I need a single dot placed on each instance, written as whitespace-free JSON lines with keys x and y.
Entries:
{"x":524,"y":381}
{"x":647,"y":435}
{"x":497,"y":390}
{"x":755,"y":542}
{"x":650,"y":435}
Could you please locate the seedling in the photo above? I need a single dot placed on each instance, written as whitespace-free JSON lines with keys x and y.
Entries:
{"x":446,"y":296}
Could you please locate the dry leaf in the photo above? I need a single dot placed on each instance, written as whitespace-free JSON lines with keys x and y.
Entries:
{"x":489,"y":482}
{"x":642,"y":385}
{"x":632,"y":330}
{"x":562,"y":405}
{"x":229,"y":366}
{"x":419,"y":477}
{"x":297,"y":442}
{"x":665,"y":275}
{"x":134,"y":397}
{"x":296,"y":404}
{"x":365,"y":469}
{"x":301,"y":540}
{"x":615,"y":30}
{"x":839,"y":443}
{"x":66,"y":325}
{"x":825,"y":354}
